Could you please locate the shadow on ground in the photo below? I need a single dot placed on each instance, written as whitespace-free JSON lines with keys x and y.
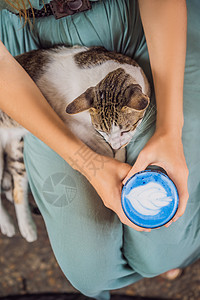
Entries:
{"x":29,"y":268}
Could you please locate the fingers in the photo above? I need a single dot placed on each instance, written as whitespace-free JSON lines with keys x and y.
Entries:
{"x":124,"y":219}
{"x":117,"y":208}
{"x":182,"y":187}
{"x":140,"y":165}
{"x":180,"y":181}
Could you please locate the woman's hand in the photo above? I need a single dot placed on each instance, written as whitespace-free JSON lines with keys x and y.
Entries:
{"x":108,"y":184}
{"x":165,"y":149}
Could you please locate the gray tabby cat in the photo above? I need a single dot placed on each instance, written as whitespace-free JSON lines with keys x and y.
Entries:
{"x":101,"y":96}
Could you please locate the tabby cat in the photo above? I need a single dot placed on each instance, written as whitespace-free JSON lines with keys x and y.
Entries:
{"x":101,"y":96}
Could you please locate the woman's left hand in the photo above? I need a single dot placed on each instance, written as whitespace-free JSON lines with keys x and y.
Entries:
{"x":166,"y":150}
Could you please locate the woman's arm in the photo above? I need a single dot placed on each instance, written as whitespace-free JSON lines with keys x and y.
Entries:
{"x":165,"y":27}
{"x":21,"y":99}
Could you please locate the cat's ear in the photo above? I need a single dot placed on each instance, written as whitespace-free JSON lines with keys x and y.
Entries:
{"x":81,"y":103}
{"x":136,"y":100}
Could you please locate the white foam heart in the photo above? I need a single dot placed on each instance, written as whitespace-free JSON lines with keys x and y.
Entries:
{"x":148,"y":199}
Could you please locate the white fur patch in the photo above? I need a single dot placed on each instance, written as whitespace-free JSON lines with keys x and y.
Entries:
{"x":9,"y":134}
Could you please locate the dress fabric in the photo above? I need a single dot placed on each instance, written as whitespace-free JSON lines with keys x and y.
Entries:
{"x":96,"y":252}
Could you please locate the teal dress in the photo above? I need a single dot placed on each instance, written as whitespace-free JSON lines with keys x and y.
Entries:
{"x":96,"y":252}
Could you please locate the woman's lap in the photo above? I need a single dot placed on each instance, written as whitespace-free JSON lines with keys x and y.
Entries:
{"x":79,"y":225}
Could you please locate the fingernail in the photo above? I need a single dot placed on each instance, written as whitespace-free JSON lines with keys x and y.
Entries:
{"x":124,"y":181}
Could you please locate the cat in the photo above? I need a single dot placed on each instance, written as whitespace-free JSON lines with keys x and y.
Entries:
{"x":101,"y":96}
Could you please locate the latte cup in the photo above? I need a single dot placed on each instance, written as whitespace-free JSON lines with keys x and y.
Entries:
{"x":150,"y":198}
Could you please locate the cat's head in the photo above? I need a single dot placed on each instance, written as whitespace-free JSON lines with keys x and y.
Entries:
{"x":116,"y":106}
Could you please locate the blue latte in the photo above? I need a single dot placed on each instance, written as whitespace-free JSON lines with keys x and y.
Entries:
{"x":150,"y":198}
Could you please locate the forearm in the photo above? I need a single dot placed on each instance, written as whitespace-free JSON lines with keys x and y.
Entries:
{"x":165,"y":27}
{"x":22,"y":100}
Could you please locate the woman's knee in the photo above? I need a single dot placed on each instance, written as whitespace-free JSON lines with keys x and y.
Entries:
{"x":90,"y":279}
{"x":88,"y":259}
{"x":150,"y":266}
{"x":154,"y":253}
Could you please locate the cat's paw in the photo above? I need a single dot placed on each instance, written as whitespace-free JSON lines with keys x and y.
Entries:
{"x":6,"y":226}
{"x":7,"y":186}
{"x":28,"y":230}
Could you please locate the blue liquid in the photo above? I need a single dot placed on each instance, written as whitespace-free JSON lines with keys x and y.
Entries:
{"x":160,"y":210}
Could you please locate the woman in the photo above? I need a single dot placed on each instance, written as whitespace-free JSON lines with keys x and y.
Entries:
{"x":97,"y":247}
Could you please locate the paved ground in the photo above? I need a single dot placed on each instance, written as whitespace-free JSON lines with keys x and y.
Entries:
{"x":32,"y":268}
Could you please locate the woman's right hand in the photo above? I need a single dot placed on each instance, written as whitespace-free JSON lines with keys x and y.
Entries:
{"x":108,"y":184}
